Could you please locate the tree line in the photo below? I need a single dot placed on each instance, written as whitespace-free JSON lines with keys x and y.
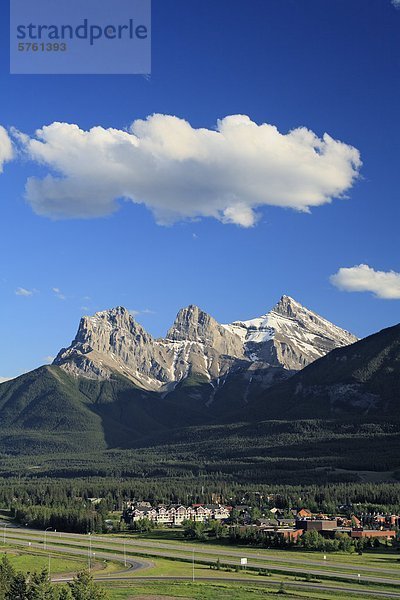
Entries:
{"x":76,"y":493}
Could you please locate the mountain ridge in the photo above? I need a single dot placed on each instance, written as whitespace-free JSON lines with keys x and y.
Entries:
{"x":112,"y":341}
{"x":360,"y":379}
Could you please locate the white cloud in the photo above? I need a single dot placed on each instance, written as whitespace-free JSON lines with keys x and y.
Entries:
{"x":48,"y":359}
{"x":145,"y":311}
{"x":180,"y":172}
{"x":23,"y":292}
{"x":6,"y":148}
{"x":58,"y":293}
{"x":396,"y":3}
{"x":4,"y":379}
{"x":362,"y":278}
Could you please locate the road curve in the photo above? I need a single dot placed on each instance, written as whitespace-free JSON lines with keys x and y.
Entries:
{"x":130,"y":564}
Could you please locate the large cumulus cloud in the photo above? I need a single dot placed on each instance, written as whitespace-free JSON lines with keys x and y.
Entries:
{"x":180,"y":172}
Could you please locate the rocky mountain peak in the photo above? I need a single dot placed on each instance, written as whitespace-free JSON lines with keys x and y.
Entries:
{"x":109,"y":341}
{"x":194,"y":325}
{"x":112,"y":324}
{"x":288,"y":306}
{"x":115,"y":316}
{"x":290,"y":335}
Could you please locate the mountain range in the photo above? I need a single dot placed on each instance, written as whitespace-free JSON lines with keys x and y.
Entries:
{"x":267,"y":348}
{"x":116,"y":384}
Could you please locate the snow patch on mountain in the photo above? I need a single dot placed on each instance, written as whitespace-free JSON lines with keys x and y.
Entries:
{"x":295,"y":334}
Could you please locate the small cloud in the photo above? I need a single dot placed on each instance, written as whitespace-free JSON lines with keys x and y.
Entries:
{"x":23,"y":292}
{"x":240,"y":215}
{"x":145,"y":311}
{"x":85,"y":308}
{"x":86,"y":298}
{"x":195,"y":236}
{"x":396,"y":3}
{"x":58,"y":293}
{"x":363,"y":278}
{"x":48,"y":359}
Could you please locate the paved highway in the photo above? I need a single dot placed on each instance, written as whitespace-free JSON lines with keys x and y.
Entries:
{"x":116,"y":549}
{"x":150,"y":545}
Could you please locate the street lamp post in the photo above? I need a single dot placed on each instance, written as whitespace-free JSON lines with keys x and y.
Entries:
{"x":125,"y":553}
{"x":193,"y":566}
{"x":45,"y":534}
{"x":90,"y":551}
{"x":4,"y":534}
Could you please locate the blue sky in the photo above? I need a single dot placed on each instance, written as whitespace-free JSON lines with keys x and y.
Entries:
{"x":329,"y":66}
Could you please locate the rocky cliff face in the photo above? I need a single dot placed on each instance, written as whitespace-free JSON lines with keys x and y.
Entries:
{"x":112,"y":341}
{"x":289,"y":335}
{"x":194,"y":325}
{"x":285,"y":340}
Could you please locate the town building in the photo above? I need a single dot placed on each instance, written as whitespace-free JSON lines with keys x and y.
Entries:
{"x":175,"y":514}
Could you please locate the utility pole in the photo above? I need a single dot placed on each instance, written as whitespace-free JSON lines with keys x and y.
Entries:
{"x":193,"y":566}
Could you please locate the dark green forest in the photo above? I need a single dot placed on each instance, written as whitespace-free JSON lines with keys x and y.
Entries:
{"x":268,"y":452}
{"x":323,"y":465}
{"x":66,"y":504}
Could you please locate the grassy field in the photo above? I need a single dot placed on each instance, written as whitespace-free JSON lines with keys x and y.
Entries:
{"x":175,"y":568}
{"x":220,"y":591}
{"x":191,"y":591}
{"x":26,"y":560}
